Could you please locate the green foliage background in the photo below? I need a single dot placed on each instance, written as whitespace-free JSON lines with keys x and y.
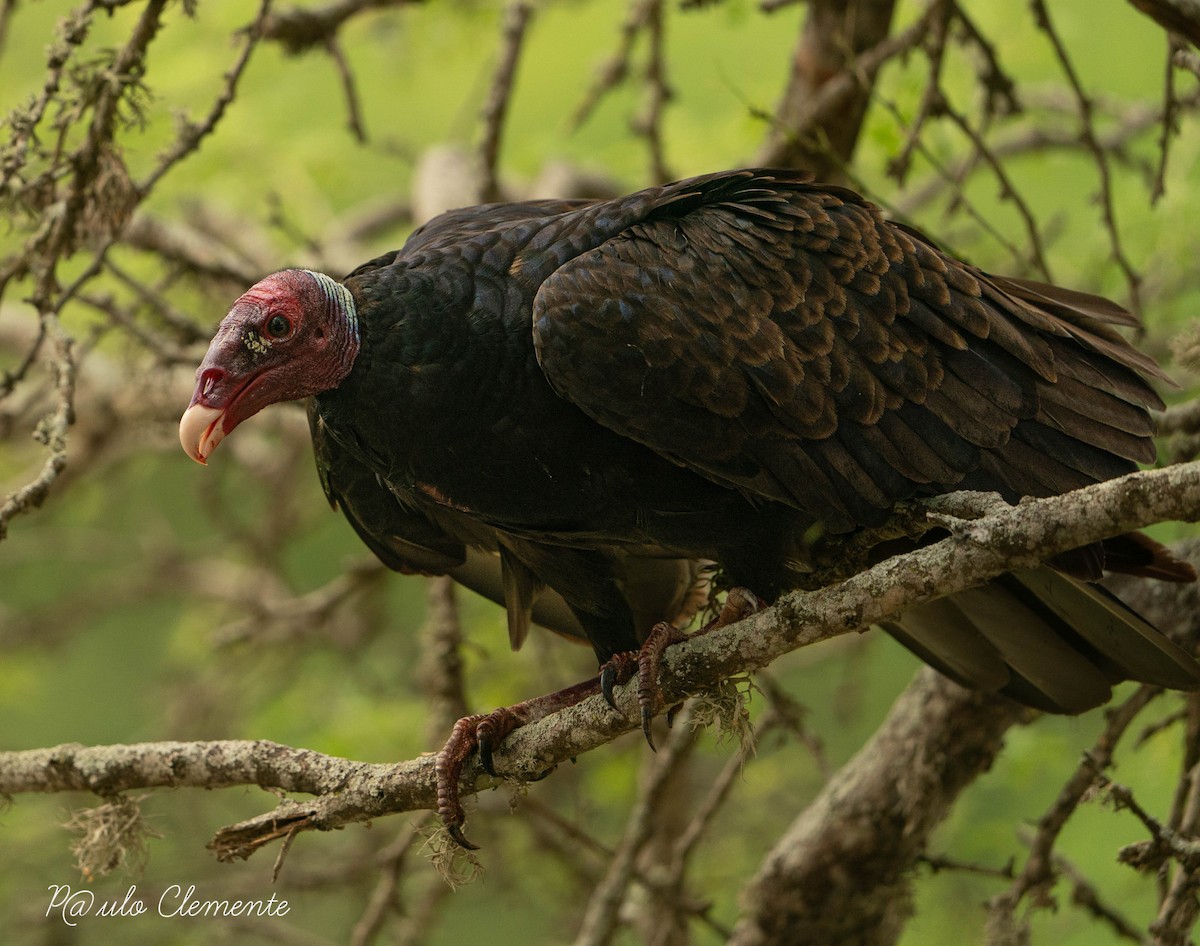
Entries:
{"x":98,"y":645}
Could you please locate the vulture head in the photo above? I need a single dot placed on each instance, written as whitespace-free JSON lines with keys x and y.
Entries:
{"x":292,"y":335}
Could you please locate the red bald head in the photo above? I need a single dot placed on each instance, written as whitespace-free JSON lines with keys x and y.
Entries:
{"x":292,"y":335}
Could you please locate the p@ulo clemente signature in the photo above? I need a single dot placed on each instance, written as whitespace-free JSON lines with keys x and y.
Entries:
{"x":70,"y":905}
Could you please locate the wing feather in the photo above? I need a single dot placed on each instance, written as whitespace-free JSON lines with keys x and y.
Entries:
{"x":784,"y":339}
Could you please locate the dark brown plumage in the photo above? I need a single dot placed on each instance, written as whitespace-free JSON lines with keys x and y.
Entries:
{"x":592,"y":396}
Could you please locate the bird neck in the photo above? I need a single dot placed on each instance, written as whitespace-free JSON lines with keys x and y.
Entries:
{"x":341,"y":318}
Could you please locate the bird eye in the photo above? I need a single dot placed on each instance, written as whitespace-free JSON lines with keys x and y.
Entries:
{"x":278,"y":326}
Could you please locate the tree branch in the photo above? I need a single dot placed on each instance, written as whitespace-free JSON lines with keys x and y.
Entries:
{"x":348,"y":791}
{"x":840,"y":52}
{"x":299,"y":29}
{"x":495,"y":110}
{"x":842,"y":873}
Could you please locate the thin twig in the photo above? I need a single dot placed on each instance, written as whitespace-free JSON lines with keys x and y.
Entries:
{"x":1000,"y":88}
{"x":1038,"y":872}
{"x":613,"y":70}
{"x":939,"y":862}
{"x":1129,"y":122}
{"x":301,"y":28}
{"x":1085,"y":895}
{"x":390,"y":863}
{"x":1178,"y":909}
{"x":602,"y":916}
{"x":192,"y":134}
{"x":1090,"y":140}
{"x":718,"y":794}
{"x":354,"y":117}
{"x":657,"y":93}
{"x":187,"y":332}
{"x":52,"y":429}
{"x":1170,"y":122}
{"x":932,"y":98}
{"x":516,"y":20}
{"x":1008,"y":191}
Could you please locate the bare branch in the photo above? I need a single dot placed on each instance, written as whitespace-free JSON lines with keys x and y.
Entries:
{"x":11,"y":378}
{"x":999,"y":87}
{"x":1170,"y":119}
{"x":615,"y":69}
{"x":1090,"y":140}
{"x":441,"y":662}
{"x":932,"y":97}
{"x":353,"y":110}
{"x":191,"y":134}
{"x":516,"y":20}
{"x":840,"y":52}
{"x":1008,"y":191}
{"x":351,"y":791}
{"x":1085,"y":895}
{"x":383,"y":900}
{"x":1038,"y":873}
{"x":601,"y":919}
{"x":1129,"y":122}
{"x":1187,"y":59}
{"x":657,"y":93}
{"x":52,"y":430}
{"x":299,"y":29}
{"x":842,"y":872}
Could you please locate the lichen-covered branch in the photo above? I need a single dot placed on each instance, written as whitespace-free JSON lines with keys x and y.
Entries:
{"x":80,"y":197}
{"x":843,"y":873}
{"x":349,"y":791}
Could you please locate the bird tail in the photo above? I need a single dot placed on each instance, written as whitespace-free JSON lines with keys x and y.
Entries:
{"x":1045,"y":639}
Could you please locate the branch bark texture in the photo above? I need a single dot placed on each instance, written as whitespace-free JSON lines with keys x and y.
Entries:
{"x":348,"y":791}
{"x":841,"y":49}
{"x":842,"y":872}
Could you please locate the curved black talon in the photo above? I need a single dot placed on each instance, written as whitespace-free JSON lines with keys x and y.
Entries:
{"x":485,"y":754}
{"x":456,"y":833}
{"x":608,"y":680}
{"x":647,"y":719}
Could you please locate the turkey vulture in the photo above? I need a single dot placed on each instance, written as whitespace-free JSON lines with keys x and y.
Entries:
{"x":592,"y":396}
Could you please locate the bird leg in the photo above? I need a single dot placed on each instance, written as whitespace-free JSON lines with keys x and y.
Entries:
{"x":485,"y":731}
{"x":647,"y":660}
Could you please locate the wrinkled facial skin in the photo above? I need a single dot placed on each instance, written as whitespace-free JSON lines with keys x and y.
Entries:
{"x":286,"y":338}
